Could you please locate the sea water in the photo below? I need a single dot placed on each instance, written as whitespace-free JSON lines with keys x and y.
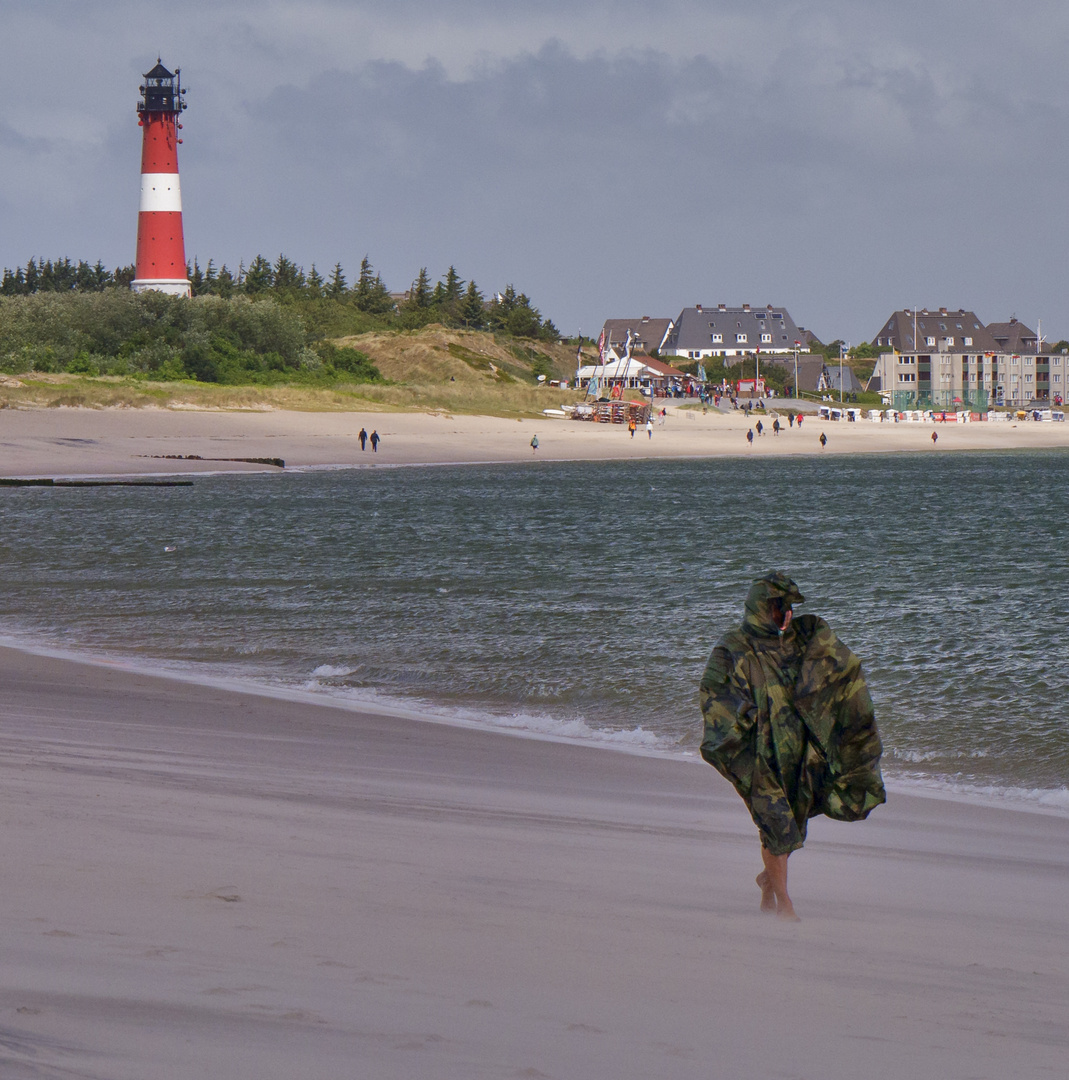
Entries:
{"x":581,"y":599}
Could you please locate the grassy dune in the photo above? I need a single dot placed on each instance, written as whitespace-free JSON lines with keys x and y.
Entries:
{"x":426,"y":370}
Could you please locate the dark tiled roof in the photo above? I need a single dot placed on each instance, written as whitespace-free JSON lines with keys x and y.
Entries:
{"x":940,"y":325}
{"x":1013,"y":336}
{"x":696,"y":325}
{"x":648,"y":334}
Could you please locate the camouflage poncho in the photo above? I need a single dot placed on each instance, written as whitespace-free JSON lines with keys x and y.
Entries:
{"x":789,"y":721}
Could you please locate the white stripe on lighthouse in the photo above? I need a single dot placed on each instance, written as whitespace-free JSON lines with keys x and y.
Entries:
{"x":160,"y":192}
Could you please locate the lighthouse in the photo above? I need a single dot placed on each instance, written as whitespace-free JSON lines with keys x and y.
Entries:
{"x":161,"y":251}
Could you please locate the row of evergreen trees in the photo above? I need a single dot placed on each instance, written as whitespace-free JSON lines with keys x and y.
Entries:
{"x":451,"y":300}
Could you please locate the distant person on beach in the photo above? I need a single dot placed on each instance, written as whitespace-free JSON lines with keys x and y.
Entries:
{"x":775,"y":427}
{"x":649,"y":426}
{"x":789,"y":722}
{"x":534,"y":444}
{"x":760,"y":428}
{"x":935,"y":437}
{"x":823,"y":440}
{"x":631,"y":426}
{"x":790,"y":419}
{"x":375,"y":440}
{"x":363,"y":439}
{"x":749,"y":436}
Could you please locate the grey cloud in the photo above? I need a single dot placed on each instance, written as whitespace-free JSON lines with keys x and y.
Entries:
{"x":608,"y":158}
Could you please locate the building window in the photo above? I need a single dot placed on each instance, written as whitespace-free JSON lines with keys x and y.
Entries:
{"x":1013,"y":360}
{"x":929,"y":342}
{"x":1028,"y":377}
{"x":740,"y":339}
{"x":907,"y":376}
{"x":1056,"y":377}
{"x":968,"y":341}
{"x":950,"y":341}
{"x":717,"y":338}
{"x":766,"y":339}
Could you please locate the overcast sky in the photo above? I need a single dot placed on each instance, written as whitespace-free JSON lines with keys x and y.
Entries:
{"x":609,"y":159}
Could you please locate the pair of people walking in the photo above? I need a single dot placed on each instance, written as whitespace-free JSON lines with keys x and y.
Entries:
{"x":374,"y":439}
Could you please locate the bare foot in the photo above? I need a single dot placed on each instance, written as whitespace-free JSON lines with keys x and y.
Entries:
{"x":768,"y":894}
{"x":787,"y":912}
{"x":775,"y":882}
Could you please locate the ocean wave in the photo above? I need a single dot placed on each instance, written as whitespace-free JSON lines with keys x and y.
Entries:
{"x":1009,"y":796}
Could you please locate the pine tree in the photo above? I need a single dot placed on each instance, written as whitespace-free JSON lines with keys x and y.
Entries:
{"x":419,"y":295}
{"x":259,"y":277}
{"x":454,"y":286}
{"x":225,"y":283}
{"x":314,"y":282}
{"x":364,"y":285}
{"x":196,"y":278}
{"x":337,"y":287}
{"x":472,"y":312}
{"x":287,"y":275}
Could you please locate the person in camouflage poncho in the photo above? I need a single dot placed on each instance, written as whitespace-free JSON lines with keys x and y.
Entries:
{"x":789,"y":721}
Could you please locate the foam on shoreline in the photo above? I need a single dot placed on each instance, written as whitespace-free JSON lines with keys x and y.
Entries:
{"x":536,"y":726}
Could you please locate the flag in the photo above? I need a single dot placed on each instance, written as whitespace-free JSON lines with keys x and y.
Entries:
{"x":601,"y":348}
{"x":701,"y":372}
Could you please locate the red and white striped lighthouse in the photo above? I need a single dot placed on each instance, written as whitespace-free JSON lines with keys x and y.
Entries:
{"x":161,"y":251}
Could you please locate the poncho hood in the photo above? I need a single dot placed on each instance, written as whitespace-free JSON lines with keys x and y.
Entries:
{"x":760,"y":619}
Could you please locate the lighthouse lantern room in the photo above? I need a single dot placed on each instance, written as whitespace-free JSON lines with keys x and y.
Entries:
{"x":161,"y":252}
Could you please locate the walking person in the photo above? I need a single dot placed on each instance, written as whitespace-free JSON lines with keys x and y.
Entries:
{"x":749,"y":436}
{"x":375,"y":440}
{"x":534,"y":444}
{"x":775,"y":427}
{"x":649,"y":427}
{"x":363,"y":439}
{"x":631,"y":425}
{"x":788,"y":720}
{"x":935,"y":437}
{"x":823,"y":440}
{"x":760,"y":428}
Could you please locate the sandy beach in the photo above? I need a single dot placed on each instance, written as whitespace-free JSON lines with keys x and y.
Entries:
{"x":94,"y":442}
{"x":207,"y":883}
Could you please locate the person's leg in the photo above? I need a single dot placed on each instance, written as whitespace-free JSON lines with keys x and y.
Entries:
{"x":773,"y":880}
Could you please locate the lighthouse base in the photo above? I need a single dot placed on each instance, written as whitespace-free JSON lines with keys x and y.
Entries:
{"x":172,"y":286}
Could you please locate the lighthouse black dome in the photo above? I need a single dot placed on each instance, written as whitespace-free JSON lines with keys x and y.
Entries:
{"x":162,"y":91}
{"x":159,"y":72}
